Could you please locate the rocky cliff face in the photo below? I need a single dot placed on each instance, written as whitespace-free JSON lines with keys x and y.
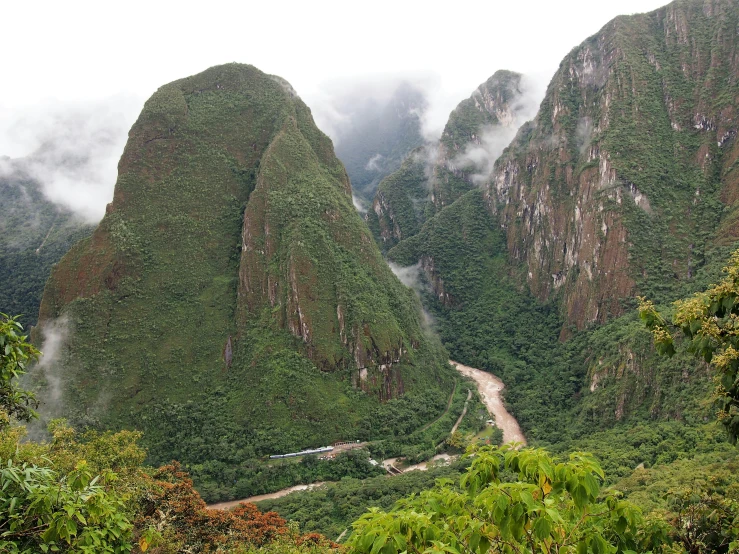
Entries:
{"x":623,"y":184}
{"x":478,"y":130}
{"x":231,"y":259}
{"x":629,"y":164}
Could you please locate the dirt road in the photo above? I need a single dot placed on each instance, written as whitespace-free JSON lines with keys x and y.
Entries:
{"x":259,"y":498}
{"x":490,"y":386}
{"x":464,"y":413}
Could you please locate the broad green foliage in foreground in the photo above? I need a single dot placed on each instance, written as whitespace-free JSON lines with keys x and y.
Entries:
{"x":698,"y":497}
{"x":15,"y":353}
{"x":47,"y":506}
{"x":552,"y":507}
{"x":710,"y":321}
{"x":41,"y":509}
{"x":90,"y":493}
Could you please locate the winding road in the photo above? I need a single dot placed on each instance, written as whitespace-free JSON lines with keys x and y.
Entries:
{"x":260,"y":497}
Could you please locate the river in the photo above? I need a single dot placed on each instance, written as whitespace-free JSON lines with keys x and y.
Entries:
{"x":490,"y":387}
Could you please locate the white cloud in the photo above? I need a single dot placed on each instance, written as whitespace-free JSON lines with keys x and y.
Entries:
{"x":479,"y":157}
{"x":80,"y":53}
{"x":358,"y":205}
{"x":374,"y":163}
{"x":71,"y":148}
{"x":410,"y":275}
{"x":55,"y":334}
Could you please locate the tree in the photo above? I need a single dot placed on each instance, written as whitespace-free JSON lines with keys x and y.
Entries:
{"x":710,"y":322}
{"x":43,"y":511}
{"x":15,"y":354}
{"x":550,"y":507}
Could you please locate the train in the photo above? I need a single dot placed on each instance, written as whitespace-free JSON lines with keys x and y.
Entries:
{"x":320,"y":450}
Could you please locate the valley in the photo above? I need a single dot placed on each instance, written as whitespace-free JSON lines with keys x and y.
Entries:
{"x":489,"y":388}
{"x":270,"y":496}
{"x":260,"y":287}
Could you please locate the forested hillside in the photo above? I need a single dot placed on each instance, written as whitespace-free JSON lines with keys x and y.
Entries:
{"x":233,"y":304}
{"x":34,"y":234}
{"x":436,"y":174}
{"x":611,"y":191}
{"x":625,"y":181}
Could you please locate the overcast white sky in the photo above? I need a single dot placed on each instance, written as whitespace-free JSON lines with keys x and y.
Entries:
{"x":72,"y":53}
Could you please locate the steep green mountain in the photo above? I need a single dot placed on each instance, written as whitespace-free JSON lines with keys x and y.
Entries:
{"x":232,"y":303}
{"x":34,"y":234}
{"x":435,"y":175}
{"x":623,"y":184}
{"x":379,"y":135}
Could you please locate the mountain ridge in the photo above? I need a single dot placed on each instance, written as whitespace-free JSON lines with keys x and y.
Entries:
{"x":641,"y":170}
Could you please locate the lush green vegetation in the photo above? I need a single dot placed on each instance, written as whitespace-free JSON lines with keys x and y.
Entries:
{"x":232,"y":305}
{"x":404,"y":200}
{"x":417,"y":443}
{"x":431,"y":176}
{"x":237,"y":468}
{"x":548,"y":506}
{"x":16,"y":353}
{"x":709,"y":321}
{"x":698,"y":496}
{"x":604,"y":388}
{"x":332,"y":508}
{"x":221,"y":481}
{"x":90,"y":493}
{"x":472,"y":114}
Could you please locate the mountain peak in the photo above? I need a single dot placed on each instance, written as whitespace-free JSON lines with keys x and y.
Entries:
{"x":232,"y":229}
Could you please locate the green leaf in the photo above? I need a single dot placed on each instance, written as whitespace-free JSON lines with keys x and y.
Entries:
{"x":621,"y":525}
{"x":379,"y":543}
{"x":542,"y":528}
{"x":400,"y":541}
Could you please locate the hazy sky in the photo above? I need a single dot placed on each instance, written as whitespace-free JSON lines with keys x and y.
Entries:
{"x":74,"y":53}
{"x":80,"y":50}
